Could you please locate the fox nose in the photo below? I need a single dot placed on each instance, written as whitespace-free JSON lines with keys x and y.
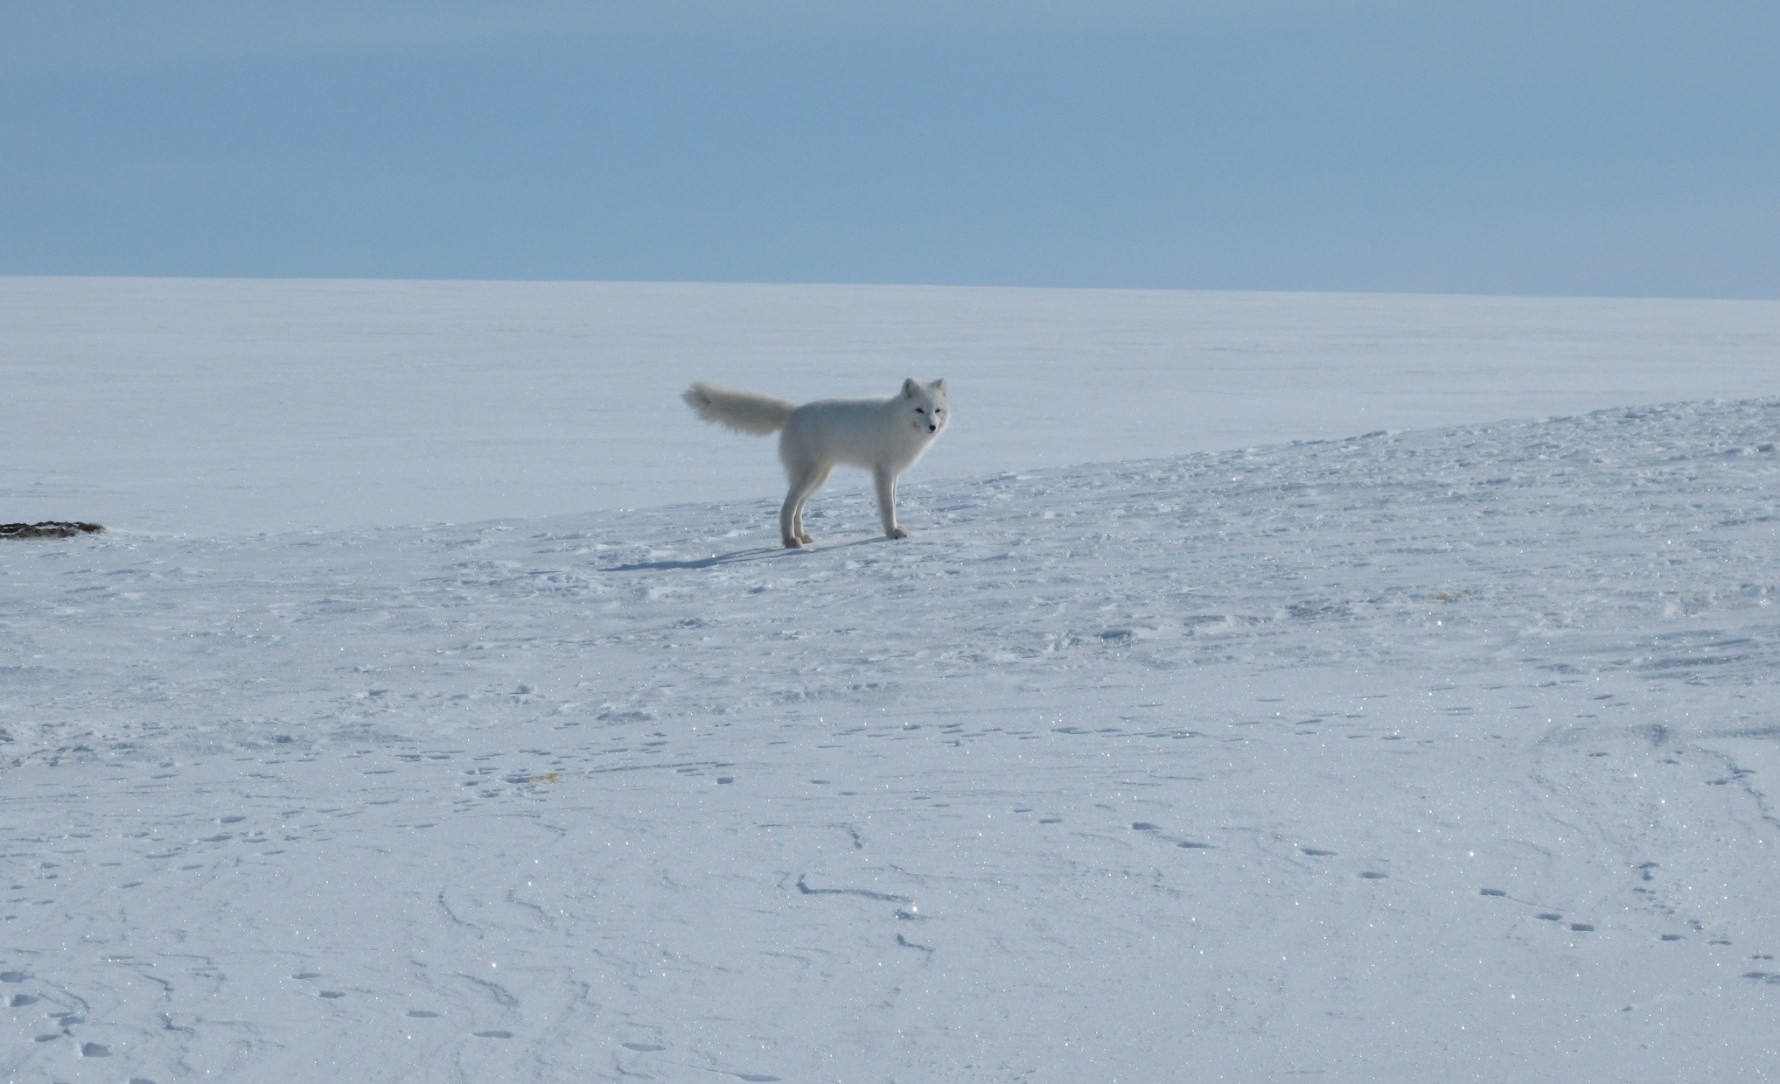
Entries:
{"x":931,"y":428}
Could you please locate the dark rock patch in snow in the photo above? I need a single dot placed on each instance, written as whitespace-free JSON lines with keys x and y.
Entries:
{"x":51,"y":528}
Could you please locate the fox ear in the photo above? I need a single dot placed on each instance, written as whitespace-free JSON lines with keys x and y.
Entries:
{"x":909,"y":387}
{"x":940,"y":385}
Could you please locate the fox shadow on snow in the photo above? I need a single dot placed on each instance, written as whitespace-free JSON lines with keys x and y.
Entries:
{"x":758,"y":553}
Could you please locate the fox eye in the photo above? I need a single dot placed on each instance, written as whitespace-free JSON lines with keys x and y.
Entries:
{"x":920,"y":410}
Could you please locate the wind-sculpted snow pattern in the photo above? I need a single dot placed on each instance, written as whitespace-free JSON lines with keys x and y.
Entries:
{"x":1416,"y":756}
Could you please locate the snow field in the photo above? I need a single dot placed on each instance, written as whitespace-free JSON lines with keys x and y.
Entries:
{"x":237,"y":407}
{"x":1419,"y":755}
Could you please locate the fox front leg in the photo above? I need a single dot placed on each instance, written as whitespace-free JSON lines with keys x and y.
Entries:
{"x":887,"y":502}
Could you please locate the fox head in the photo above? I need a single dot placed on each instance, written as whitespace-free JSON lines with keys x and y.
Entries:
{"x":925,"y":404}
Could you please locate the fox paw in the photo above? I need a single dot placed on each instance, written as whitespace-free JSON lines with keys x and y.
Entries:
{"x":793,"y":543}
{"x":806,"y":539}
{"x":896,"y":532}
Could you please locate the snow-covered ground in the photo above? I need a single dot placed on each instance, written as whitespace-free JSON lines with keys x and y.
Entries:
{"x":200,"y":408}
{"x":1440,"y":748}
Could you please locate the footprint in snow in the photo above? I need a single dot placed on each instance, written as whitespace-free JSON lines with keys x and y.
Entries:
{"x":1553,"y":916}
{"x":1188,"y":844}
{"x":644,"y":1048}
{"x":492,"y":1034}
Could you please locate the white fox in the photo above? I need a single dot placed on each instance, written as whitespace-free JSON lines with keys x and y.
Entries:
{"x":884,"y":435}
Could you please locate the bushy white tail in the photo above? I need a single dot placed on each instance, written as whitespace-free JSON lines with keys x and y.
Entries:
{"x":740,"y":410}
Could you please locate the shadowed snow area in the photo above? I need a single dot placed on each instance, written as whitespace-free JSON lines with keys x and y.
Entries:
{"x":1434,"y":754}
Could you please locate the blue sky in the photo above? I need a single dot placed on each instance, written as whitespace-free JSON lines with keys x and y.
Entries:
{"x":1606,"y":148}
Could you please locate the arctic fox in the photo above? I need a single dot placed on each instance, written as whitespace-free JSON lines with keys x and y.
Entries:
{"x":885,"y":436}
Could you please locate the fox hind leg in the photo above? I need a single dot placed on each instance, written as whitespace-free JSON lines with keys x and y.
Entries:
{"x":805,"y":480}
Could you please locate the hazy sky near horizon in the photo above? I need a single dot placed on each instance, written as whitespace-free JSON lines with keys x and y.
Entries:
{"x":1590,"y":147}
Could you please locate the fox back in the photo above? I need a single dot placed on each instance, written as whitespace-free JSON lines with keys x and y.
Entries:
{"x":889,"y":433}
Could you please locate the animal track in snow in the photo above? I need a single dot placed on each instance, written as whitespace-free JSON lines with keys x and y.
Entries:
{"x":862,"y":893}
{"x":1554,"y":916}
{"x":1146,"y":826}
